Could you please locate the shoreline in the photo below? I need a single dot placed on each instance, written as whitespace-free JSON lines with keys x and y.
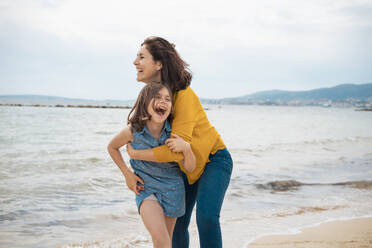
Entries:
{"x":345,"y":233}
{"x":65,"y":106}
{"x":367,"y":109}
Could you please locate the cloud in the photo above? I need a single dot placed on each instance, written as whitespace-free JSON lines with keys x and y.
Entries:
{"x":249,"y":45}
{"x":243,"y":23}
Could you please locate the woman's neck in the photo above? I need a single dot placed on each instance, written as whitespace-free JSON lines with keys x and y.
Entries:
{"x":155,"y":128}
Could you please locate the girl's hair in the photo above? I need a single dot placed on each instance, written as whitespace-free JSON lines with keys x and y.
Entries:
{"x":137,"y":121}
{"x":175,"y":72}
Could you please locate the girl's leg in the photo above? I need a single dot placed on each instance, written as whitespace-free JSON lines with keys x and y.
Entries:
{"x":170,"y":222}
{"x":211,"y":192}
{"x":180,"y":238}
{"x":153,"y":217}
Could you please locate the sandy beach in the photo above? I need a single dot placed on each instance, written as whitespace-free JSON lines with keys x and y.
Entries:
{"x":356,"y":233}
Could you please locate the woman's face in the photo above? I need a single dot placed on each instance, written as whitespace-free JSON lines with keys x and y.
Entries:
{"x":160,"y":107}
{"x":148,"y":70}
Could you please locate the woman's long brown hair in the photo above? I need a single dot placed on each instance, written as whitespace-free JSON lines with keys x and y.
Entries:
{"x":140,"y":115}
{"x":175,"y":72}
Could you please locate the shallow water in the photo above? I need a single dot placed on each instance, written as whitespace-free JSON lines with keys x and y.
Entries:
{"x":293,"y":167}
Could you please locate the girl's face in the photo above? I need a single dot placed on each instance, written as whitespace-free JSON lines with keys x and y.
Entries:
{"x":160,"y":106}
{"x":148,"y":70}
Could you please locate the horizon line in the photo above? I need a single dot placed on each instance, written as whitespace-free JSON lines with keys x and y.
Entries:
{"x":74,"y":98}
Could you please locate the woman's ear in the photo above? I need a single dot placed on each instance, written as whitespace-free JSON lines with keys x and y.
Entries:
{"x":158,"y":65}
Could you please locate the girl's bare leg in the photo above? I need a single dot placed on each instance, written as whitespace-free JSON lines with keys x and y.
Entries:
{"x":170,"y":223}
{"x":153,"y":217}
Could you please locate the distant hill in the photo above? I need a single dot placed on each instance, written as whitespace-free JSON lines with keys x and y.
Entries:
{"x":343,"y":92}
{"x":55,"y":100}
{"x":338,"y":93}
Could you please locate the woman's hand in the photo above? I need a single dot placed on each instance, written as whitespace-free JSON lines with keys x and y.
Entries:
{"x":132,"y":181}
{"x":176,"y":144}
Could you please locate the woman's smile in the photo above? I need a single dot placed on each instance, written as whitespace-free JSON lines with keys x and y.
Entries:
{"x":148,"y":70}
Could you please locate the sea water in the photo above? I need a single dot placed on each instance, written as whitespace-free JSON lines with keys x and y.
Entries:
{"x":293,"y":167}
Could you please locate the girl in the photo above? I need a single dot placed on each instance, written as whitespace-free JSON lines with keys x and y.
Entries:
{"x":159,"y":188}
{"x":158,"y":60}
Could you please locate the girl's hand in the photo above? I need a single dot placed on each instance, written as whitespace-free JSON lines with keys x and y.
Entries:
{"x":131,"y":151}
{"x":132,"y":181}
{"x":177,"y":144}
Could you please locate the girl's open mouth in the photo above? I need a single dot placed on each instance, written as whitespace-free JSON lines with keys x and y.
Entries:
{"x":160,"y":110}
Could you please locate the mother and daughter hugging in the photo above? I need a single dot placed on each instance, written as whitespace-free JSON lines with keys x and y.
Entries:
{"x":178,"y":158}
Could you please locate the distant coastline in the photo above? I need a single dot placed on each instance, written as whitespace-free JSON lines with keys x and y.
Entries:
{"x":114,"y":107}
{"x":341,"y":96}
{"x":67,"y":106}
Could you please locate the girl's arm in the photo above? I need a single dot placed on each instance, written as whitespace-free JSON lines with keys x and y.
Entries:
{"x":177,"y":144}
{"x":131,"y":179}
{"x":186,"y":108}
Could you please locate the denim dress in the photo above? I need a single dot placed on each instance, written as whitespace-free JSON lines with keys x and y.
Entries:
{"x":163,"y":180}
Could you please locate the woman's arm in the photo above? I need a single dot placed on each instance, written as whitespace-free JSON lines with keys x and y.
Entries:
{"x":177,"y":144}
{"x":141,"y":154}
{"x":131,"y":179}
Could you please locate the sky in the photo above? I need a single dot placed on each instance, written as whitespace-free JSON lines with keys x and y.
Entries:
{"x":85,"y":48}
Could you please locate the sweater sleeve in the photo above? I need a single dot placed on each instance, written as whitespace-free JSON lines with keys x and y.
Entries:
{"x":184,"y":120}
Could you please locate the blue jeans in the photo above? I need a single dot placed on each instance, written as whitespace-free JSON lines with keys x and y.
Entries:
{"x":209,"y":192}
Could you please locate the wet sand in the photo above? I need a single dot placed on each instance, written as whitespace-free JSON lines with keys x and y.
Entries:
{"x":356,"y":233}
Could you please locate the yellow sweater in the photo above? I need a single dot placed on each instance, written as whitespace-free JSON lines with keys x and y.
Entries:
{"x":191,"y":123}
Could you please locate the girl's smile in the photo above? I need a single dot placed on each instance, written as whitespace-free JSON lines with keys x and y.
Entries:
{"x":160,"y":107}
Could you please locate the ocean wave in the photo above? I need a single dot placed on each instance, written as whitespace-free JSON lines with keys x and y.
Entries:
{"x":68,"y":151}
{"x":130,"y":242}
{"x":299,"y":146}
{"x":290,"y":185}
{"x":368,"y":154}
{"x":79,"y":222}
{"x":104,"y":133}
{"x":305,"y":210}
{"x":354,"y":139}
{"x":93,"y":160}
{"x":13,"y":215}
{"x":293,"y":212}
{"x":10,"y":155}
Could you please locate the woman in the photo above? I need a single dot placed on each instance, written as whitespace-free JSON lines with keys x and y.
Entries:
{"x":158,"y":61}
